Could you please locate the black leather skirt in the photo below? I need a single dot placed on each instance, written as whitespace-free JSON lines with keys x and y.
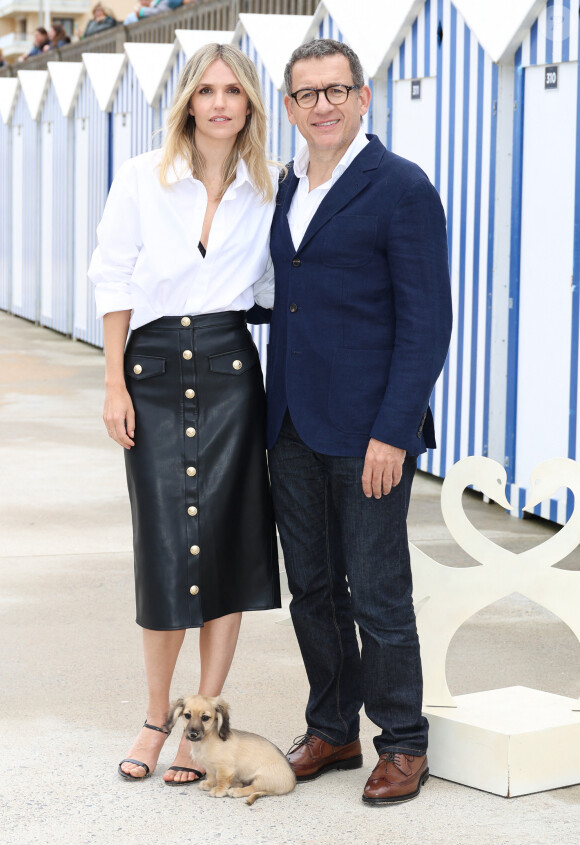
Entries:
{"x":203,"y":525}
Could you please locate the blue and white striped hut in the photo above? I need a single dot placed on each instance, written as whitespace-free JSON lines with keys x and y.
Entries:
{"x":26,"y":176}
{"x":92,"y":177}
{"x":269,"y":40}
{"x":57,"y":196}
{"x":8,"y":97}
{"x":543,"y":328}
{"x":450,"y":98}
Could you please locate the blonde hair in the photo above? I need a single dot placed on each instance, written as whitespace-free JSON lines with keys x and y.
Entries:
{"x":251,"y":140}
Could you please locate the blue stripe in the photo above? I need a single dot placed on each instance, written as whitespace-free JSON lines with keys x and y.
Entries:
{"x":521,"y":502}
{"x":414,"y":49}
{"x":574,"y":341}
{"x":490,"y":256}
{"x":476,"y":248}
{"x":460,"y":322}
{"x":438,"y":122}
{"x":371,"y":110}
{"x":566,"y":31}
{"x":514,"y":281}
{"x":549,"y":31}
{"x":427,"y":47}
{"x":534,"y":43}
{"x":450,"y":165}
{"x":330,"y":27}
{"x":554,"y":510}
{"x":321,"y":30}
{"x":390,"y":107}
{"x":402,"y":61}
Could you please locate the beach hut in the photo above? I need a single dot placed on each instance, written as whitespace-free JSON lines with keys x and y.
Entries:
{"x":8,"y":97}
{"x":57,"y":196}
{"x":269,"y":41}
{"x":26,"y":193}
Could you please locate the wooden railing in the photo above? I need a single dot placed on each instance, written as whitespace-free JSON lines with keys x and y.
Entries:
{"x":160,"y":29}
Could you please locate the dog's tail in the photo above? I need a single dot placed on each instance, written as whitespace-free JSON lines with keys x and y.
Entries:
{"x":255,"y":795}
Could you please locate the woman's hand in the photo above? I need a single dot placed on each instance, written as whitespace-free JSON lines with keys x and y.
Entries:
{"x":119,"y":416}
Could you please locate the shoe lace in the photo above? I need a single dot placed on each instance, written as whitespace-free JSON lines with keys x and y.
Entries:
{"x":298,"y":741}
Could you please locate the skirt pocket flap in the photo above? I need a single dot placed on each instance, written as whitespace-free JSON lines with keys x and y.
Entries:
{"x":234,"y":363}
{"x":143,"y":366}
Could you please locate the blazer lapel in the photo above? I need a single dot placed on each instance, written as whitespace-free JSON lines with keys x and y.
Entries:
{"x":355,"y":179}
{"x":285,"y":193}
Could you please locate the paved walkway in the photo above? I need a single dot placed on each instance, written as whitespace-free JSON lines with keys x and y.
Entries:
{"x":71,"y":676}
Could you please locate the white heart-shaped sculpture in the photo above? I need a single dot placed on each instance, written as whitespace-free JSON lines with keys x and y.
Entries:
{"x":450,"y":595}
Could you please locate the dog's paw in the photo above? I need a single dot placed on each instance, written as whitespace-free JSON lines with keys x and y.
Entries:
{"x":206,"y":785}
{"x":236,"y":791}
{"x":218,"y":792}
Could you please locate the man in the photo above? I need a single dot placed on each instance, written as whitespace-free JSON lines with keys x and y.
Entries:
{"x":359,"y":334}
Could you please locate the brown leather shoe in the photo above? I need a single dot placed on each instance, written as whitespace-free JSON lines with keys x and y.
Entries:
{"x":396,"y":778}
{"x":310,"y":757}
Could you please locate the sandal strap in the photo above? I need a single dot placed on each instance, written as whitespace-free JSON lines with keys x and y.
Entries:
{"x":155,"y":728}
{"x":185,"y":769}
{"x":137,"y":763}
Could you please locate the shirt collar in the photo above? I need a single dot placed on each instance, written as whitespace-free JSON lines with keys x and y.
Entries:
{"x":302,"y":159}
{"x":180,"y":170}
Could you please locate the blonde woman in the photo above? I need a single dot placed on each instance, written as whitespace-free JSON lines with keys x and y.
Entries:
{"x":182,"y":243}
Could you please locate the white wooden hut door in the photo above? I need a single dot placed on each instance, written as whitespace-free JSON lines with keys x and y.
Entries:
{"x":549,"y":148}
{"x":414,"y":123}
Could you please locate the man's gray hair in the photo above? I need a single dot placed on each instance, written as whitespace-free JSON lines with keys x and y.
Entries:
{"x":319,"y":48}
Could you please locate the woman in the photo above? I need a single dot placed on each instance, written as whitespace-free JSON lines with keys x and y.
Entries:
{"x":102,"y":19}
{"x":183,"y":238}
{"x":57,"y":38}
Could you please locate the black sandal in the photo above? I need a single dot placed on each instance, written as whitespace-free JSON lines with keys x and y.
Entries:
{"x":200,"y":776}
{"x":129,"y":776}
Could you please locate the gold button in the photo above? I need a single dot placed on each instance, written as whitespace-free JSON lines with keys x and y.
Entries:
{"x":194,"y":590}
{"x":237,"y":365}
{"x":185,"y":321}
{"x":192,"y":510}
{"x":194,"y":550}
{"x":190,"y":393}
{"x":137,"y":369}
{"x":190,"y":432}
{"x":191,"y":470}
{"x":188,"y":354}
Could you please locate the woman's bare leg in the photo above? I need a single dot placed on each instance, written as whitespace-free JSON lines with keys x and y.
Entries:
{"x":161,"y":649}
{"x":217,"y":644}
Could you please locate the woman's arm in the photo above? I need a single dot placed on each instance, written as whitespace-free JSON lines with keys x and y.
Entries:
{"x":118,"y":413}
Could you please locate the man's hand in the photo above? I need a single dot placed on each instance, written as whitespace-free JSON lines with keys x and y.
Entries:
{"x":383,"y":468}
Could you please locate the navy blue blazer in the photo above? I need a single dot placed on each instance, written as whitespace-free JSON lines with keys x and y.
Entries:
{"x":362,"y":315}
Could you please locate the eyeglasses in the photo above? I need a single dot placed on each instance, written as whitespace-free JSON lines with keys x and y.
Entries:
{"x":307,"y":98}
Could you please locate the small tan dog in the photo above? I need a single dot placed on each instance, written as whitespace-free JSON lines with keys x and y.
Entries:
{"x":237,"y":763}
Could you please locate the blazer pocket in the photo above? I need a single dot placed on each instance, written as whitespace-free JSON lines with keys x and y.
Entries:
{"x":139,"y":367}
{"x":234,"y":363}
{"x":358,"y":381}
{"x":349,"y":240}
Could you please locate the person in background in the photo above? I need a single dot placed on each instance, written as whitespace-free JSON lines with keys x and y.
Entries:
{"x":146,"y":8}
{"x":57,"y":38}
{"x":102,"y":20}
{"x":40,"y":40}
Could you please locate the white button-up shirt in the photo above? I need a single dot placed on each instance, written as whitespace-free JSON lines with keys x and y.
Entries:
{"x":305,"y":202}
{"x":147,"y":259}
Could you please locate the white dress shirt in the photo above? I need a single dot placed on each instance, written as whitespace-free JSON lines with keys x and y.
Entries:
{"x":305,"y":202}
{"x":147,"y":259}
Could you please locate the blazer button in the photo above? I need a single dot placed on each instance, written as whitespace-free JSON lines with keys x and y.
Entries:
{"x":296,"y":262}
{"x":293,"y":308}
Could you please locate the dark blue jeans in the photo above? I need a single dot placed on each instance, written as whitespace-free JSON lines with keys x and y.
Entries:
{"x":347,"y":559}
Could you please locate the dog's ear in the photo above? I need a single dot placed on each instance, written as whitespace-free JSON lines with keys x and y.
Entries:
{"x":175,"y":711}
{"x":223,"y":719}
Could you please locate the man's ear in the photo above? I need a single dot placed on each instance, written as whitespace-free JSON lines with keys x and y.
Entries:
{"x":288,"y":102}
